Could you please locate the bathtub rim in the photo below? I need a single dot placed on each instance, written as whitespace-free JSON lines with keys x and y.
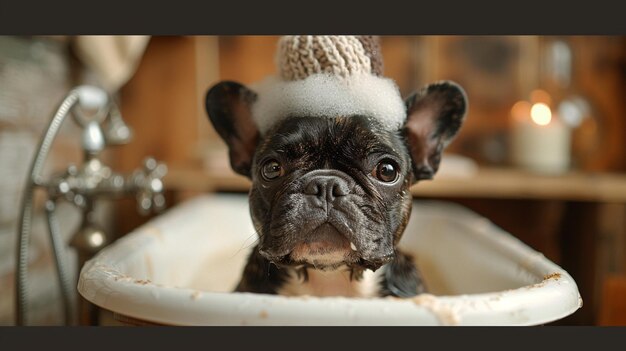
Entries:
{"x":107,"y":288}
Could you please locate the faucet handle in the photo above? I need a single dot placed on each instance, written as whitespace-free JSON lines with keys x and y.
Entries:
{"x":117,"y":131}
{"x":155,"y":168}
{"x":149,"y":183}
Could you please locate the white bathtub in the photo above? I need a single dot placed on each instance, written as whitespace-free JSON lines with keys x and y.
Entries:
{"x":179,"y":269}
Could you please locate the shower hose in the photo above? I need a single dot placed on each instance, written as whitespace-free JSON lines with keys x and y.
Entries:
{"x":23,"y":241}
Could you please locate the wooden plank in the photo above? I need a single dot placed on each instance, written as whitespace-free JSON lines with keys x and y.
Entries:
{"x":613,"y":309}
{"x":511,"y":183}
{"x":599,"y":75}
{"x":579,"y":235}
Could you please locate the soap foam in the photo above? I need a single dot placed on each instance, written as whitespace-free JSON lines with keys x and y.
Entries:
{"x":326,"y":95}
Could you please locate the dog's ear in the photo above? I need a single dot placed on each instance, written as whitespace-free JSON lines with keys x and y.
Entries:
{"x":229,"y":106}
{"x":434,"y":117}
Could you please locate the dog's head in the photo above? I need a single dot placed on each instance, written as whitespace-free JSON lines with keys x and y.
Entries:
{"x":334,"y":190}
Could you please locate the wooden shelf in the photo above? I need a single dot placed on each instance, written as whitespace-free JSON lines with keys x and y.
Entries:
{"x":516,"y":184}
{"x":486,"y":183}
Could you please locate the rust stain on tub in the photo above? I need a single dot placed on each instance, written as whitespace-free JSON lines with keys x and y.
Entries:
{"x":551,"y":276}
{"x":263,"y":314}
{"x":445,"y":314}
{"x":117,"y":275}
{"x":555,"y":275}
{"x":142,"y":281}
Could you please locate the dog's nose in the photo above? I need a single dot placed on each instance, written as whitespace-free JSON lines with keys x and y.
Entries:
{"x":328,"y":187}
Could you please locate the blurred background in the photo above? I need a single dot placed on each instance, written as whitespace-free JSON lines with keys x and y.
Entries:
{"x":542,"y":153}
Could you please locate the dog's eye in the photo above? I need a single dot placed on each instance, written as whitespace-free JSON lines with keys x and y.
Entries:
{"x":271,"y":170}
{"x":386,"y":171}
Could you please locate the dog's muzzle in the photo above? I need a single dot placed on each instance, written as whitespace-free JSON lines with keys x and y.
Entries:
{"x":328,"y":226}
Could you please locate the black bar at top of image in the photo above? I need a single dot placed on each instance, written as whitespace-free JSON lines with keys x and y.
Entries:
{"x":71,"y":17}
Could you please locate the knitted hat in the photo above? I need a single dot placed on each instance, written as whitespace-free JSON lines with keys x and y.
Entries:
{"x":328,"y":76}
{"x":301,"y":56}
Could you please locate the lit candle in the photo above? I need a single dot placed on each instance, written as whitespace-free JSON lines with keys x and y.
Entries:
{"x":540,"y":142}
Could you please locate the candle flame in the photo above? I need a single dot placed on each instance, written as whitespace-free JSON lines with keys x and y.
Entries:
{"x":541,"y":114}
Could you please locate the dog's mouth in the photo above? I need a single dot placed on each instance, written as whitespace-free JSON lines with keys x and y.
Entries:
{"x":324,"y":248}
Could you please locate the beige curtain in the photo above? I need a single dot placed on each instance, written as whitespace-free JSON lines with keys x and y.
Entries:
{"x":113,"y":58}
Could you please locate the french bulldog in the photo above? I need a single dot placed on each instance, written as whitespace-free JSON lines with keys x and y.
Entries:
{"x":330,"y":196}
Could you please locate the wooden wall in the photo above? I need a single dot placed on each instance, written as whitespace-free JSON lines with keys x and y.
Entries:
{"x":164,"y":105}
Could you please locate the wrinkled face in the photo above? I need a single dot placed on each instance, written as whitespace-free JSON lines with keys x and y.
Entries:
{"x":330,"y":191}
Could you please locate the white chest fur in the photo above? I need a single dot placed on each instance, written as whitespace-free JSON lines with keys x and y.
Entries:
{"x":332,"y":283}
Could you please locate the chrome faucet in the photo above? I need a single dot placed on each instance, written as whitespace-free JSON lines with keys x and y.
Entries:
{"x":102,"y":125}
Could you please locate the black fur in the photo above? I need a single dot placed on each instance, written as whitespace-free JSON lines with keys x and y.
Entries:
{"x":260,"y":275}
{"x":434,"y":116}
{"x":228,"y":105}
{"x":401,"y":278}
{"x":327,"y":191}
